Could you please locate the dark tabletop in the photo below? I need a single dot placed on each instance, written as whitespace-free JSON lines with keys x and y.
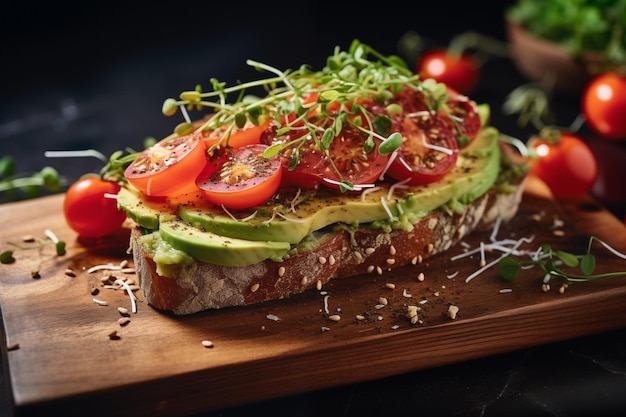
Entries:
{"x":83,"y":77}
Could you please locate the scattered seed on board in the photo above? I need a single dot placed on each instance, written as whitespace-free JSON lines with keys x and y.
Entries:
{"x":114,"y":336}
{"x":70,"y":273}
{"x":13,"y":346}
{"x":35,"y":274}
{"x":254,"y":287}
{"x":207,"y":344}
{"x":95,"y":290}
{"x":334,"y":317}
{"x":123,"y":321}
{"x":123,"y":311}
{"x":453,"y":311}
{"x":390,"y":285}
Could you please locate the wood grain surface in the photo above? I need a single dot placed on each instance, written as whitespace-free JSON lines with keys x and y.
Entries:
{"x":60,"y":359}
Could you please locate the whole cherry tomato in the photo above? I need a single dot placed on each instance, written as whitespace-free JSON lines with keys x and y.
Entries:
{"x":604,"y":105}
{"x":461,"y":72}
{"x":88,"y":209}
{"x":566,"y":164}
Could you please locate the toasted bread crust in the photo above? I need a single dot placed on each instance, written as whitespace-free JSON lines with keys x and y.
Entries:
{"x":208,"y":286}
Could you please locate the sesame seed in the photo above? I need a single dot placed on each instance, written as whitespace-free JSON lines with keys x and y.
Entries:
{"x":70,"y":273}
{"x":304,"y":281}
{"x":391,"y":261}
{"x":379,"y":270}
{"x":452,"y":311}
{"x":331,"y":260}
{"x":334,"y":317}
{"x":207,"y":344}
{"x":370,"y":268}
{"x":123,"y":321}
{"x":358,"y":255}
{"x":390,"y":285}
{"x":414,"y":260}
{"x":123,"y":311}
{"x":420,"y":276}
{"x":430,"y":248}
{"x":318,"y":285}
{"x":383,"y":301}
{"x":360,"y":317}
{"x":321,"y":260}
{"x":558,"y":233}
{"x":281,"y":271}
{"x":369,"y":251}
{"x":392,"y":250}
{"x":254,"y":287}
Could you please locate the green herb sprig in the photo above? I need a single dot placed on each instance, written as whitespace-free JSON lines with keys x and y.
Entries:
{"x":361,"y":72}
{"x":553,"y":263}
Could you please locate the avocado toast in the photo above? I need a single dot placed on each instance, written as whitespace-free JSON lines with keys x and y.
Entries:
{"x":372,"y":169}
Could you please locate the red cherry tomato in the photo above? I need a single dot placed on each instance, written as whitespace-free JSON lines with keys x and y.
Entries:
{"x":168,"y":167}
{"x":604,"y":105}
{"x":566,"y":164}
{"x":87,"y":209}
{"x":241,"y":178}
{"x":461,"y":72}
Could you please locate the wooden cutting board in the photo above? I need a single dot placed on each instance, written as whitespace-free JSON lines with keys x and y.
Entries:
{"x":61,"y":360}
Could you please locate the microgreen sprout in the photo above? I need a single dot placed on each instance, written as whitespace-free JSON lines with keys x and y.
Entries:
{"x":557,"y":263}
{"x":10,"y":181}
{"x":319,"y":103}
{"x":6,"y":257}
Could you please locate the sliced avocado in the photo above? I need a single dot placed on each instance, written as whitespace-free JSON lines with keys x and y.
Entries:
{"x":401,"y":207}
{"x":145,"y":212}
{"x":213,"y":248}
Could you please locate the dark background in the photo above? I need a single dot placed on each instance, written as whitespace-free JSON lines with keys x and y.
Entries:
{"x":80,"y":75}
{"x":85,"y":76}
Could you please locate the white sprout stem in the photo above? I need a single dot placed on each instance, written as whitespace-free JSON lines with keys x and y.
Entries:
{"x":612,"y":250}
{"x":76,"y":154}
{"x":183,"y":110}
{"x":129,"y":291}
{"x":51,"y":236}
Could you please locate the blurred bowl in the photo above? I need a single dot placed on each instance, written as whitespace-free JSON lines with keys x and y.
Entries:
{"x":540,"y":60}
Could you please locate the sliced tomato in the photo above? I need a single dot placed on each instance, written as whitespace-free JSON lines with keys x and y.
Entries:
{"x":345,"y":164}
{"x":464,"y":115}
{"x":235,"y":137}
{"x":168,"y":167}
{"x":429,"y":149}
{"x":241,"y":178}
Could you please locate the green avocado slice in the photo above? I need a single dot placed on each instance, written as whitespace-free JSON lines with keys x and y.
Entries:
{"x":216,"y":249}
{"x":476,"y":171}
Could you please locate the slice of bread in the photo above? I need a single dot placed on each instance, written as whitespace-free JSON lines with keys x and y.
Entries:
{"x":338,"y":254}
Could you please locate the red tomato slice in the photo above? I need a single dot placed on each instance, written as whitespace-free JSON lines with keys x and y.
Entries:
{"x":168,"y":167}
{"x":241,"y":178}
{"x":465,"y":117}
{"x":429,"y":150}
{"x":346,"y":162}
{"x":237,"y":137}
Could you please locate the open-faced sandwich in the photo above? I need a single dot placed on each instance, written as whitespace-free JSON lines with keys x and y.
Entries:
{"x":305,"y":176}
